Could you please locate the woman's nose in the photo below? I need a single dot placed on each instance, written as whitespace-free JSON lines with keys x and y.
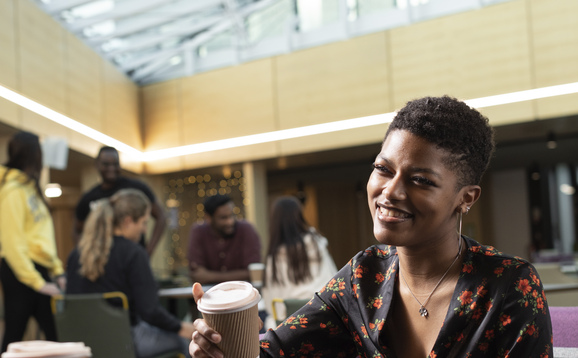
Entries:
{"x":394,"y":189}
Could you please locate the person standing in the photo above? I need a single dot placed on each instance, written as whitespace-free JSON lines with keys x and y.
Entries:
{"x":108,"y":258}
{"x":29,"y":258}
{"x":222,"y":247}
{"x":108,"y":165}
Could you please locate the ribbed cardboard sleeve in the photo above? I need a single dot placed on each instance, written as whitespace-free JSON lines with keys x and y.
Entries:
{"x":239,"y":332}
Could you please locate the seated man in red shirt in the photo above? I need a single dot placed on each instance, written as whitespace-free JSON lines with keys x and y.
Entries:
{"x":222,"y":247}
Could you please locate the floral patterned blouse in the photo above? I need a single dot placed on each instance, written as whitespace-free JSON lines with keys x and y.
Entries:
{"x":498,"y":309}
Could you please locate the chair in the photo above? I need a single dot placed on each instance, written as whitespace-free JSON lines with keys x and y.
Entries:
{"x":91,"y":319}
{"x":291,"y":305}
{"x":564,"y":326}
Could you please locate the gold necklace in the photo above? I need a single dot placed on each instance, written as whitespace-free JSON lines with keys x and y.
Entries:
{"x":422,"y":310}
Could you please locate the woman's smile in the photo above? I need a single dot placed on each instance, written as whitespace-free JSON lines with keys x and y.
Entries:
{"x":412,"y":194}
{"x":392,"y":215}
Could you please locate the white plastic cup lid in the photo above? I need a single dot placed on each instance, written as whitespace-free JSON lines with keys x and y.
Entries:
{"x":229,"y":297}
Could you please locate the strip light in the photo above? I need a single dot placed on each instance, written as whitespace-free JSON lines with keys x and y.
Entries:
{"x":270,"y":136}
{"x":522,"y":96}
{"x":273,"y":136}
{"x":66,"y":121}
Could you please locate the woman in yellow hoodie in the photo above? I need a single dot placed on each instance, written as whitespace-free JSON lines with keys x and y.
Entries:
{"x":28,"y":248}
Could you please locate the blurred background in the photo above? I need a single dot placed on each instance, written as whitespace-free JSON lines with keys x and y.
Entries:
{"x":167,"y":74}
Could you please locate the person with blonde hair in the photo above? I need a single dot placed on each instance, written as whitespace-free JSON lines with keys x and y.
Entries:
{"x":29,"y":258}
{"x":108,"y":258}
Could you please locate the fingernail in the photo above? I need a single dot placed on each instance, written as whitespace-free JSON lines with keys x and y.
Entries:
{"x":215,"y":338}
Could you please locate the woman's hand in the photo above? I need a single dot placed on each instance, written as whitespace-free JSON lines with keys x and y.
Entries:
{"x":61,"y":282}
{"x":50,"y":289}
{"x":205,"y":338}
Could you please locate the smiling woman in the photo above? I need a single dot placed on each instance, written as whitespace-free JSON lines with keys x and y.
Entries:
{"x":426,"y":290}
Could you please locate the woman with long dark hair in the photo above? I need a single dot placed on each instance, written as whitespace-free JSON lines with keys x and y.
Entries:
{"x":298,"y":263}
{"x":108,"y":258}
{"x":29,"y":259}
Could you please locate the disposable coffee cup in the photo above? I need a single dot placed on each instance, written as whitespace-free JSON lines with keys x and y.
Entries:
{"x":230,"y":308}
{"x":256,"y":271}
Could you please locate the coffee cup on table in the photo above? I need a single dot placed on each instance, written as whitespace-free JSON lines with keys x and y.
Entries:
{"x":230,"y":308}
{"x":256,"y":271}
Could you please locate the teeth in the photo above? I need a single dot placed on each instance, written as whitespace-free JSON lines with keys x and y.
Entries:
{"x":393,"y":213}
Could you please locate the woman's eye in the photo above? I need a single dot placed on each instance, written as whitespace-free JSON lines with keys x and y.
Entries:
{"x":422,"y":180}
{"x":380,"y":168}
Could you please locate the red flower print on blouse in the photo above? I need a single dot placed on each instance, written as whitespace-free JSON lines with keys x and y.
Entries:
{"x":306,"y":348}
{"x":524,"y":286}
{"x":466,"y":297}
{"x":359,"y":271}
{"x":505,"y":320}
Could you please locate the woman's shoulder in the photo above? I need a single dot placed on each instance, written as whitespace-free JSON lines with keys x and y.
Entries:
{"x":125,"y":248}
{"x":314,"y":237}
{"x":488,"y":258}
{"x":14,"y":180}
{"x":489,"y":251}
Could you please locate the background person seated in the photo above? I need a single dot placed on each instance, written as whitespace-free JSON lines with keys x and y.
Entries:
{"x":298,"y":263}
{"x":108,"y":258}
{"x":222,"y":247}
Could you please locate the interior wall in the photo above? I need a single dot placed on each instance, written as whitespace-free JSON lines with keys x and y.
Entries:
{"x":42,"y":61}
{"x":512,"y":46}
{"x":510,"y":214}
{"x":515,"y":45}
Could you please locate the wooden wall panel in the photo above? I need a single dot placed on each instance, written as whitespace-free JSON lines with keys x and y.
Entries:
{"x":341,"y":80}
{"x":228,"y":103}
{"x":421,"y":60}
{"x":161,"y":115}
{"x":328,"y":141}
{"x":41,"y":54}
{"x":167,"y":166}
{"x":7,"y":44}
{"x":468,"y":55}
{"x":8,"y":78}
{"x":42,"y":61}
{"x":555,"y":55}
{"x":121,"y":108}
{"x":35,"y":123}
{"x":209,"y":159}
{"x":491,"y":51}
{"x":231,"y":156}
{"x":84,"y":83}
{"x":510,"y":113}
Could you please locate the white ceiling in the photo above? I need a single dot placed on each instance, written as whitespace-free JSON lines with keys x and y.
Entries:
{"x":157,"y":40}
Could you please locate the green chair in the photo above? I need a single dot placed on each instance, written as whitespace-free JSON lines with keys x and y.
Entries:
{"x":291,"y":306}
{"x":89,"y":318}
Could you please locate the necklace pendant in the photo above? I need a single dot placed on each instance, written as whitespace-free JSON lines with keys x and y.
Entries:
{"x":423,"y":312}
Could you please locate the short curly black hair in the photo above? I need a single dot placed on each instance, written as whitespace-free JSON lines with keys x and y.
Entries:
{"x":212,"y":203}
{"x":451,"y":125}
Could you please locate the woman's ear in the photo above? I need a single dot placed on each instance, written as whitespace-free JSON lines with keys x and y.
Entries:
{"x":127,"y":220}
{"x":469,"y":195}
